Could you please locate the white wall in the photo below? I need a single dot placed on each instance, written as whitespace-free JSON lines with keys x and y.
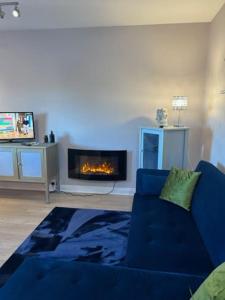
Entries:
{"x":96,"y":87}
{"x":214,"y":133}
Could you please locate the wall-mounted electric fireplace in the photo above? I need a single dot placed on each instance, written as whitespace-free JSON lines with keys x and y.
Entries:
{"x":97,"y":164}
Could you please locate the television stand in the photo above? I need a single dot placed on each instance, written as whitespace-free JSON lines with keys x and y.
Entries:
{"x":24,"y":143}
{"x":6,"y":142}
{"x":31,"y":167}
{"x":30,"y":144}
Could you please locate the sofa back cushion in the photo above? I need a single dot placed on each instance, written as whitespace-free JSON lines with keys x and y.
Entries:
{"x":150,"y":182}
{"x":208,"y":210}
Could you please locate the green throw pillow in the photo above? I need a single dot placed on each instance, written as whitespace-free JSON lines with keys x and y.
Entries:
{"x":179,"y":187}
{"x":213,"y":288}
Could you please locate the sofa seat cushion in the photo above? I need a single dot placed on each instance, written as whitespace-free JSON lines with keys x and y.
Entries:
{"x":164,"y":237}
{"x":47,"y":279}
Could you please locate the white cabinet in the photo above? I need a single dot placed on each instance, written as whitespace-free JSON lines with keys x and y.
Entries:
{"x":163,"y":148}
{"x":29,"y":167}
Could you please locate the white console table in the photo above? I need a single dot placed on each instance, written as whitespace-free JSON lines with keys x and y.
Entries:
{"x":29,"y":167}
{"x":163,"y":148}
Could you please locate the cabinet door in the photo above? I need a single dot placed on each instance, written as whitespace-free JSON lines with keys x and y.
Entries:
{"x":8,"y":164}
{"x":31,"y":164}
{"x":151,"y":150}
{"x":175,"y":149}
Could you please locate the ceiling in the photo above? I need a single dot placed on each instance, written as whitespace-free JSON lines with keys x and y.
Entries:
{"x":49,"y":14}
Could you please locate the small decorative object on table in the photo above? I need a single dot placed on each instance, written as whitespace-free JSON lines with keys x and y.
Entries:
{"x":162,"y":117}
{"x":45,"y":139}
{"x":52,"y":137}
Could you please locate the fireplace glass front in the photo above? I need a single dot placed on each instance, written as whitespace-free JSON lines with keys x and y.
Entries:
{"x":97,"y":164}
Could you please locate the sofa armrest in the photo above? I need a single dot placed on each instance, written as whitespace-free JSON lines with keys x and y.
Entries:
{"x":150,"y":182}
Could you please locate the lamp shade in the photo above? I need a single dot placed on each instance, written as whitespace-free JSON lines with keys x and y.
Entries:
{"x":180,"y":102}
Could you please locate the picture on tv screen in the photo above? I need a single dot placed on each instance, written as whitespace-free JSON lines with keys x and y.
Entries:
{"x":16,"y":126}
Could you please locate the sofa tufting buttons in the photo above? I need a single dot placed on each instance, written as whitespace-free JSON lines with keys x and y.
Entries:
{"x":113,"y":284}
{"x":150,"y":241}
{"x":172,"y":224}
{"x":40,"y":276}
{"x":180,"y":240}
{"x":75,"y":281}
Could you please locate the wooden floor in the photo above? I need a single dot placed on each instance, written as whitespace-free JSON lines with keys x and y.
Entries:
{"x":21,"y":212}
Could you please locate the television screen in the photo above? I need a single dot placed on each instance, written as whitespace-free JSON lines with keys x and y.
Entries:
{"x":16,"y":126}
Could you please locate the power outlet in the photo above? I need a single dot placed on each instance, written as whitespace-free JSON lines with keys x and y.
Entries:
{"x":52,"y":186}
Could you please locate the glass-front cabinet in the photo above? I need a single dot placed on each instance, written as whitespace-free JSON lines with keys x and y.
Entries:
{"x":150,"y":146}
{"x":163,"y":148}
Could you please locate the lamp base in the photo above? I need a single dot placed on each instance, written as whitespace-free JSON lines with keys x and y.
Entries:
{"x":178,"y":125}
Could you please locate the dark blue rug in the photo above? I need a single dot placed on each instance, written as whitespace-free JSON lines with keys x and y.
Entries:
{"x":75,"y":234}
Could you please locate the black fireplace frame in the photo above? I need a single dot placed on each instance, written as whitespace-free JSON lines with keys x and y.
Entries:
{"x":122,"y":164}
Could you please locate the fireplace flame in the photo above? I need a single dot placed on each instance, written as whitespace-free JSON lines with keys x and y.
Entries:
{"x":104,"y":168}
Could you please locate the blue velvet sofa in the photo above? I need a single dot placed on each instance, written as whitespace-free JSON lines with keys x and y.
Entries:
{"x":170,"y":250}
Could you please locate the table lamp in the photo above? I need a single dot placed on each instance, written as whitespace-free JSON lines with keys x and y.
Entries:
{"x":179,"y":103}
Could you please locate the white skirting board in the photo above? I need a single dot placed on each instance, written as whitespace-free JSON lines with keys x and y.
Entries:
{"x":96,"y":190}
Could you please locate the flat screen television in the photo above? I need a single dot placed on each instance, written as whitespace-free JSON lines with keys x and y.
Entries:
{"x":16,"y":126}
